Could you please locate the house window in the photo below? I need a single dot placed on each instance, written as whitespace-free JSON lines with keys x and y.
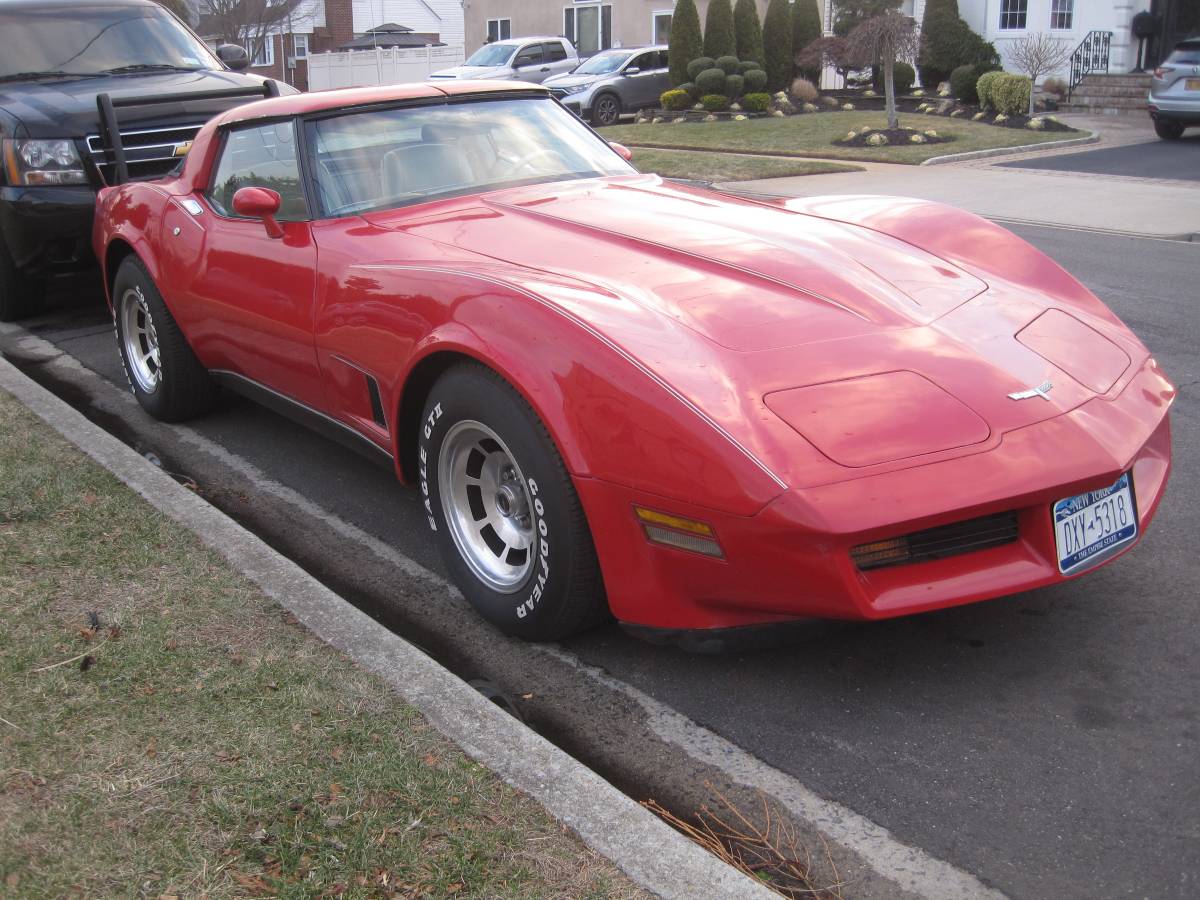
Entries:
{"x":300,"y":46}
{"x":588,"y":27}
{"x":262,"y":53}
{"x":660,"y":29}
{"x":1013,"y":13}
{"x":499,"y":29}
{"x":1062,"y":13}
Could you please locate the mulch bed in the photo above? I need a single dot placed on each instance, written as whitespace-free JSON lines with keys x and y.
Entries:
{"x":895,"y":137}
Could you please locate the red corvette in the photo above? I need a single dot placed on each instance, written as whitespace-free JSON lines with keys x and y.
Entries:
{"x":623,"y":396}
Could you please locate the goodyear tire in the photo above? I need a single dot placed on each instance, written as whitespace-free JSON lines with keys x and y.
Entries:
{"x":505,"y":514}
{"x":163,"y":372}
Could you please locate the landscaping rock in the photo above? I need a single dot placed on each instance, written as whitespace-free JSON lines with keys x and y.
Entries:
{"x":847,"y":107}
{"x":877,"y":139}
{"x":809,"y":107}
{"x":979,"y":116}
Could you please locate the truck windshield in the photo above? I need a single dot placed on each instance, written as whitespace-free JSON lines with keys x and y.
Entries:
{"x":96,"y":40}
{"x":491,"y":55}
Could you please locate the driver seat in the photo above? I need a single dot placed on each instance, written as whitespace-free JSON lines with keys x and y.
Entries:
{"x":423,"y":169}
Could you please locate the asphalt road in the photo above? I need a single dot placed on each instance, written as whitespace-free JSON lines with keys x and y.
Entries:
{"x":1048,"y":742}
{"x":1178,"y":160}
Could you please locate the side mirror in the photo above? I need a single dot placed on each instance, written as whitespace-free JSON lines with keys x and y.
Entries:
{"x":259,"y":203}
{"x":234,"y":57}
{"x":632,"y":70}
{"x":622,"y":151}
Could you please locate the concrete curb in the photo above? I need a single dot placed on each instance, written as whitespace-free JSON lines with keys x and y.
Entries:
{"x":1092,"y":138}
{"x":649,"y":851}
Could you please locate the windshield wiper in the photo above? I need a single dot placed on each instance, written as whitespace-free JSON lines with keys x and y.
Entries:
{"x":49,"y":73}
{"x":148,"y":67}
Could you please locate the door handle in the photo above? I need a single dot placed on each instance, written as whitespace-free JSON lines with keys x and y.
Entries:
{"x":545,"y":68}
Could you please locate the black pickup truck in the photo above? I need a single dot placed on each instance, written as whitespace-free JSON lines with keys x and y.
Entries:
{"x":93,"y":92}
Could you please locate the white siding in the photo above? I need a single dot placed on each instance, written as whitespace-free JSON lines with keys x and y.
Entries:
{"x":444,"y":17}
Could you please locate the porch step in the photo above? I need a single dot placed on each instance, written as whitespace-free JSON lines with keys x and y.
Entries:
{"x":1110,"y":94}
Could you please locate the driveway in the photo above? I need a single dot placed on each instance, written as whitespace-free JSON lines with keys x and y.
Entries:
{"x":1152,"y":159}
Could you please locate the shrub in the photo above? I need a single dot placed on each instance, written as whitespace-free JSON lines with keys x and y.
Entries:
{"x":719,"y":37}
{"x":904,"y":77}
{"x":829,"y":102}
{"x":698,"y":65}
{"x":806,"y":28}
{"x":714,"y":102}
{"x":962,"y":83}
{"x":777,"y":44}
{"x":747,"y":66}
{"x":675,"y":98}
{"x":1010,"y":94}
{"x":756,"y":80}
{"x":1055,"y":86}
{"x":804,"y":90}
{"x":728,"y":64}
{"x":983,"y":87}
{"x":757,"y":102}
{"x":690,"y":89}
{"x":711,"y":81}
{"x":747,"y":30}
{"x":685,"y":42}
{"x":735,"y":85}
{"x":948,"y":42}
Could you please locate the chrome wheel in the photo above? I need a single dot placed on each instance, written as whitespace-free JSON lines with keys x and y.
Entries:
{"x":140,"y":341}
{"x":487,"y":506}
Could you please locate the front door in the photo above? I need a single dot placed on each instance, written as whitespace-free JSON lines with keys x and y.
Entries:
{"x":249,"y":298}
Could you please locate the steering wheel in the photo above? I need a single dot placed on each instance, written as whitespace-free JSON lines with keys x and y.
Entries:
{"x":508,"y":165}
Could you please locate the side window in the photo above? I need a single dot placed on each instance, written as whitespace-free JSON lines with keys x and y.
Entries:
{"x":662,"y":61}
{"x":555,"y":52}
{"x":263,"y":156}
{"x":644,"y":61}
{"x":529,"y":56}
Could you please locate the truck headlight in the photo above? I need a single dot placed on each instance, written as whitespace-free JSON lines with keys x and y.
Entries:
{"x":43,"y":162}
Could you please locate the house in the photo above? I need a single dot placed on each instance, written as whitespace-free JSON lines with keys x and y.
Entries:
{"x":592,"y":25}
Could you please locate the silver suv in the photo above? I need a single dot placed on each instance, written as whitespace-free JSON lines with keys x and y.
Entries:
{"x":532,"y":59}
{"x":1175,"y":91}
{"x":613,"y":82}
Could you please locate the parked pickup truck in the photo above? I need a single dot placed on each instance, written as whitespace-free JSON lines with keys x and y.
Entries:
{"x":61,"y":65}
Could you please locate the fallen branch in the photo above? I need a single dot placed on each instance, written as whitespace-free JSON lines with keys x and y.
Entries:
{"x":66,"y":662}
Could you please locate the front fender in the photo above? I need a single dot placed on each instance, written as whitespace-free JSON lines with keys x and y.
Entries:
{"x":129,"y":215}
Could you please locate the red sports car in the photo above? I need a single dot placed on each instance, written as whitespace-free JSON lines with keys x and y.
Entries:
{"x":620,"y":396}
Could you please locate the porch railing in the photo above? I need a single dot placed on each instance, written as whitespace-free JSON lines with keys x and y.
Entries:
{"x":1090,"y":56}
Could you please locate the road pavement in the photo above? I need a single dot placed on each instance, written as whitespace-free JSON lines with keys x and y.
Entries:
{"x":1048,"y":742}
{"x":1153,"y":158}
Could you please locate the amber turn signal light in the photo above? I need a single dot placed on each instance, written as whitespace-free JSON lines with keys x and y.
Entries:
{"x":679,"y":532}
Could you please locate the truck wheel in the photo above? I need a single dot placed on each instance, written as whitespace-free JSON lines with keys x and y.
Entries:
{"x":20,"y":295}
{"x":164,"y":374}
{"x":507,"y":520}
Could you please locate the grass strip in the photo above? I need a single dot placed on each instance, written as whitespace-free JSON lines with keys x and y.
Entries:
{"x":720,"y":167}
{"x":812,"y":135}
{"x":166,"y":730}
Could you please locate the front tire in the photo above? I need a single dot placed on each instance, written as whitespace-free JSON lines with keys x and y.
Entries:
{"x":164,"y":374}
{"x":606,"y":110}
{"x":1168,"y":129}
{"x":20,"y":295}
{"x":507,"y":520}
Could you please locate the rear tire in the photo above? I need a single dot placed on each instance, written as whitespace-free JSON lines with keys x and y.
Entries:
{"x":164,"y":374}
{"x":1168,"y":130}
{"x":606,"y":110}
{"x":20,"y":295}
{"x":506,"y":517}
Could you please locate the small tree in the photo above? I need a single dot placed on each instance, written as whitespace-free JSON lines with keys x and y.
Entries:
{"x":777,"y":45}
{"x":830,"y":51}
{"x":719,"y":39}
{"x":849,"y":14}
{"x":748,"y":31}
{"x":881,"y":40}
{"x":1038,"y":54}
{"x":806,"y":28}
{"x":685,"y":42}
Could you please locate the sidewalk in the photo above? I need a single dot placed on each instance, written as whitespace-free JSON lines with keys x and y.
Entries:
{"x":1152,"y":208}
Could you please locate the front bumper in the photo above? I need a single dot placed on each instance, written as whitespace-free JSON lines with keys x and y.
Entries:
{"x":48,"y":229}
{"x":792,"y":559}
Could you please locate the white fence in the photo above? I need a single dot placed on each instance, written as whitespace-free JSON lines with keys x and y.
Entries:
{"x":360,"y":68}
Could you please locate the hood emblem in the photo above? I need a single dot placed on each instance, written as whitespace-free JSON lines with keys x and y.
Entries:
{"x":1042,"y":390}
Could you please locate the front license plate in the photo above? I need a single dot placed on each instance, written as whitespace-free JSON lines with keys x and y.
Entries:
{"x":1091,"y":527}
{"x":1192,"y":84}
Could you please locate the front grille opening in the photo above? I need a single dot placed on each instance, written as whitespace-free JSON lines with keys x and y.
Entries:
{"x":938,"y":543}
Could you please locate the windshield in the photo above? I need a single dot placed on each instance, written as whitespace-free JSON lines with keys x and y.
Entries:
{"x":603,"y":63}
{"x":96,"y":40}
{"x":395,"y":157}
{"x":1186,"y":54}
{"x":491,"y":55}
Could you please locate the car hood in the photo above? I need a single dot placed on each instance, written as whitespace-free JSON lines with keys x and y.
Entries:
{"x":569,"y":80}
{"x":740,"y":305}
{"x":472,"y":72}
{"x":67,"y":108}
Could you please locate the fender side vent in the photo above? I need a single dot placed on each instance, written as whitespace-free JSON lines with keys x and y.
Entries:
{"x":937,"y":543}
{"x":376,"y":402}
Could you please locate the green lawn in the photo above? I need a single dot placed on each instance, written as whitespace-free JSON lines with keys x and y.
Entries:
{"x":718,"y":167}
{"x":168,"y":731}
{"x":812,"y":135}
